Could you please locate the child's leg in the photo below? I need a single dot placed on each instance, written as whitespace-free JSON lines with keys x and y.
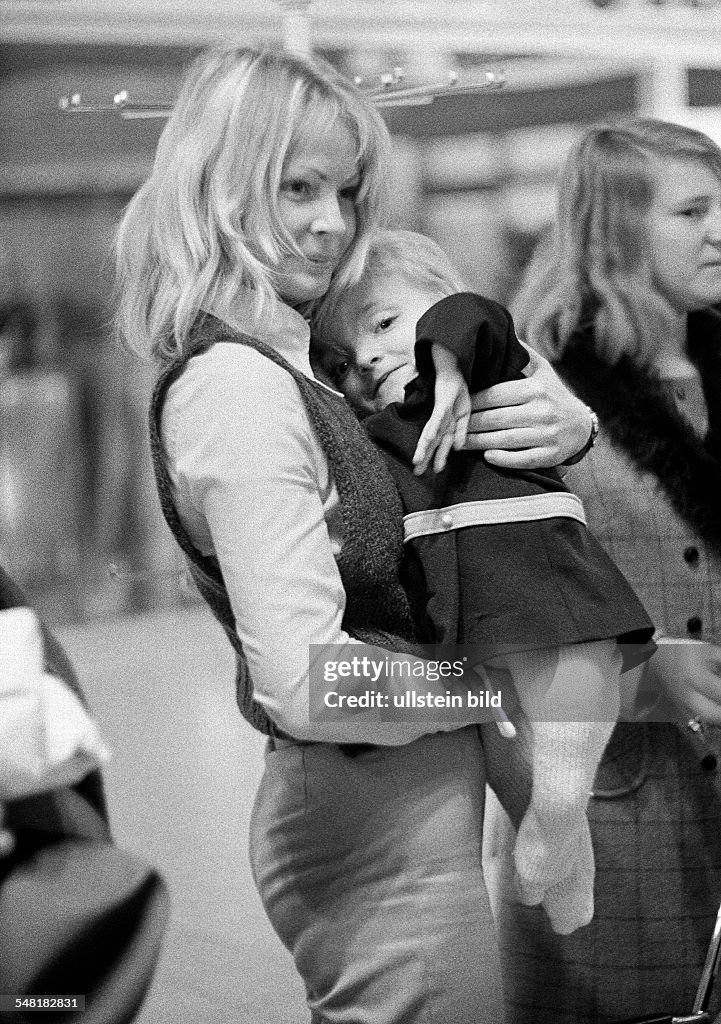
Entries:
{"x":557,"y":688}
{"x":568,"y":903}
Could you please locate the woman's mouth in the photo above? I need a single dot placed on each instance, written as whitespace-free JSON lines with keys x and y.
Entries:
{"x":322,"y":261}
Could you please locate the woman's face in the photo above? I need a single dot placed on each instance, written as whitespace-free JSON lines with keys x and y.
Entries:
{"x":316,"y":203}
{"x":684,"y":233}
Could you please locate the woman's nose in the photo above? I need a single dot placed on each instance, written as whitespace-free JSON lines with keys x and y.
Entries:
{"x":328,"y":217}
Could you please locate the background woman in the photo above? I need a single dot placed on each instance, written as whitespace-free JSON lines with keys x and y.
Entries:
{"x":621,"y":297}
{"x":365,"y":837}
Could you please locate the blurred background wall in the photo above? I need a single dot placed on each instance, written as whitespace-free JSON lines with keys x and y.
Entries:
{"x":79,"y":524}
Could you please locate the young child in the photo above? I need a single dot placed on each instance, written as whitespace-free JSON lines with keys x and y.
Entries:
{"x":495,"y":558}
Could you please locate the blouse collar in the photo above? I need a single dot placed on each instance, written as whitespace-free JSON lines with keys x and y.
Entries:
{"x":282,"y":327}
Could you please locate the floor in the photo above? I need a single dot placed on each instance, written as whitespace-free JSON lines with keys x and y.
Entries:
{"x":180,"y":786}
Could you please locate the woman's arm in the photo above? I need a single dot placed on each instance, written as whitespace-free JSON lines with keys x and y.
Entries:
{"x":529,"y":424}
{"x":245,"y":462}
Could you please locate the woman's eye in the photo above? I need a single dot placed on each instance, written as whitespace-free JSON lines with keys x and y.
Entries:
{"x":296,"y":187}
{"x":692,"y":212}
{"x":350,"y":192}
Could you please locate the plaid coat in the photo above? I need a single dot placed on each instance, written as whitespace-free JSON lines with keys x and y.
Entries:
{"x":652,"y":494}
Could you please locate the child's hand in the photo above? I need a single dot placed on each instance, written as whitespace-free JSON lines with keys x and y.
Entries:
{"x":448,"y":423}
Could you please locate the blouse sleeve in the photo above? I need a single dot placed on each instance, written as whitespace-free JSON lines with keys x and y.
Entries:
{"x":246,"y":465}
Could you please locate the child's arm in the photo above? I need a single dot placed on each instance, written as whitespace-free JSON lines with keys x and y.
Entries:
{"x":448,"y":424}
{"x":469,"y":342}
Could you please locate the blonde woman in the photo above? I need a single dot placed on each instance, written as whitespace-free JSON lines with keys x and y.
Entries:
{"x":621,"y":297}
{"x":365,"y":835}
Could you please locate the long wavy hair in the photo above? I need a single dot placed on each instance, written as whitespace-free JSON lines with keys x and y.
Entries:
{"x":206,"y":225}
{"x":594,"y":265}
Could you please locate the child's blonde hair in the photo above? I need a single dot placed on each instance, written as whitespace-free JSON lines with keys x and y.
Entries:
{"x":206,"y":222}
{"x":419,"y":259}
{"x":595,"y":263}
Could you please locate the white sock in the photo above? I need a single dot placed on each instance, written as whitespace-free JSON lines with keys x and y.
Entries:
{"x":569,"y":903}
{"x":565,"y":759}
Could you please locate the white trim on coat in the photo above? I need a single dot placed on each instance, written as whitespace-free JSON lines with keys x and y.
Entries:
{"x":520,"y":509}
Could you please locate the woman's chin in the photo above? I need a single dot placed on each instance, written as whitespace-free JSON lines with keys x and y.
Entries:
{"x":305,"y":286}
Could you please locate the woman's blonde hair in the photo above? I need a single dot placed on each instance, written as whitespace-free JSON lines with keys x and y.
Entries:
{"x":594,"y":265}
{"x":419,"y":259}
{"x":206,"y":222}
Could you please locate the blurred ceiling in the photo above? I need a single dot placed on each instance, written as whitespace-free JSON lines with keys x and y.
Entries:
{"x":565,"y":62}
{"x":630,"y":29}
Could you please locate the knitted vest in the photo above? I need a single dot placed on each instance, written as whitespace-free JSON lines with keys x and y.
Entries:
{"x":377,"y":610}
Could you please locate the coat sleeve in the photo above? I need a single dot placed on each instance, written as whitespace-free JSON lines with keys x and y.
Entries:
{"x":481,"y":334}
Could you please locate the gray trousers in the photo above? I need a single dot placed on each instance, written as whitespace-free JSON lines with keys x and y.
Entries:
{"x":369,"y":868}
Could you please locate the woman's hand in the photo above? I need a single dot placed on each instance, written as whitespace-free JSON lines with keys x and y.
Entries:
{"x":448,"y":423}
{"x":529,"y":424}
{"x":689,"y":675}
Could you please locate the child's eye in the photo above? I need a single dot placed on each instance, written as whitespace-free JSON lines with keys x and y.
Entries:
{"x":335,"y":364}
{"x":350,"y":192}
{"x":383,"y":324}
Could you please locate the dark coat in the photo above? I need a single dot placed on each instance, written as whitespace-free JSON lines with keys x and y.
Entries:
{"x":508,"y":585}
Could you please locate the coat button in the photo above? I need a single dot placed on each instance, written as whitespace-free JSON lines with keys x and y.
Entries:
{"x":446,"y":521}
{"x":694,"y":624}
{"x":690,"y":554}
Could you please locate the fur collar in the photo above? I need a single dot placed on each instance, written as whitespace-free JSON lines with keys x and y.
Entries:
{"x":642,"y":421}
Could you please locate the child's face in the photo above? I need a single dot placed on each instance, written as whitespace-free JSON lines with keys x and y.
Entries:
{"x":372,"y":359}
